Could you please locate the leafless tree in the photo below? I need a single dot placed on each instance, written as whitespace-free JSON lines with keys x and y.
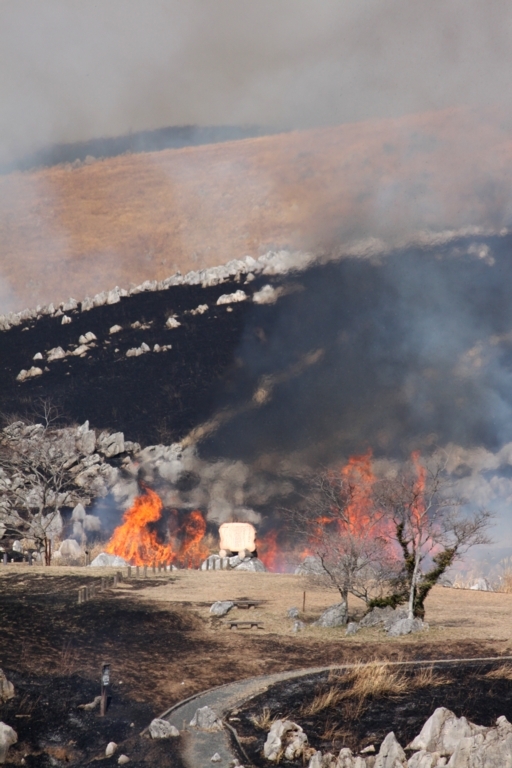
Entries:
{"x":429,"y":524}
{"x":342,"y":530}
{"x":39,"y":467}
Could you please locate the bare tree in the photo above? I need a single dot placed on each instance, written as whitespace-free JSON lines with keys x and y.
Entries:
{"x":342,"y":529}
{"x":429,"y":525}
{"x":39,"y":474}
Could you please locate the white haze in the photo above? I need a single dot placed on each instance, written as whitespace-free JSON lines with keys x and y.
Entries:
{"x":72,"y":70}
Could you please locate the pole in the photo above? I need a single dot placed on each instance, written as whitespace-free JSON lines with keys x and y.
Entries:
{"x":105,"y":684}
{"x":304,"y":602}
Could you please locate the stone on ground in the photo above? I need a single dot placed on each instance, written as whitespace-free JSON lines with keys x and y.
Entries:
{"x":110,"y":749}
{"x":123,"y":759}
{"x":285,"y":737}
{"x":162,"y":729}
{"x":6,"y":688}
{"x":8,"y":737}
{"x":221,"y":607}
{"x":407,"y":627}
{"x":216,"y":758}
{"x":443,"y":731}
{"x":206,"y":719}
{"x":334,"y":616}
{"x":391,"y":754}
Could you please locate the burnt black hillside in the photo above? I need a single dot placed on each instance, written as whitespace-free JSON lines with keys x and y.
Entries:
{"x":411,"y":350}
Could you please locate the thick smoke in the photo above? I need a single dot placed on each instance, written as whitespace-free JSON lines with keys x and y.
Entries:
{"x":74,"y":71}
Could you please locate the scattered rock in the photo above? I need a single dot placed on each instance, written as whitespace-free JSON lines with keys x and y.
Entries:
{"x":443,"y":731}
{"x":221,"y":607}
{"x":293,"y":613}
{"x":162,"y":729}
{"x":71,"y":548}
{"x":115,"y":329}
{"x":391,"y":754}
{"x":111,"y":749}
{"x":251,"y":564}
{"x":284,"y":737}
{"x":123,"y":759}
{"x":369,"y":750}
{"x":57,"y":353}
{"x":8,"y":737}
{"x":216,"y":758}
{"x":87,"y":338}
{"x":91,"y":705}
{"x":407,"y":627}
{"x":424,"y":759}
{"x":206,"y":719}
{"x":81,"y":350}
{"x":352,"y":628}
{"x":267,"y":295}
{"x":298,"y":626}
{"x":334,"y":616}
{"x":172,"y":323}
{"x":66,"y":320}
{"x":231,"y":298}
{"x":6,"y":688}
{"x":37,"y":356}
{"x":385,"y":616}
{"x":200,"y":310}
{"x":311,"y":564}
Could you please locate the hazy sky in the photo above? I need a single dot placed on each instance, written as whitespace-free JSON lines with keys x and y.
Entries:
{"x":76,"y":69}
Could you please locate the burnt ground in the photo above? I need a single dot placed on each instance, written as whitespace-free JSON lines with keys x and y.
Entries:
{"x":472,"y":690}
{"x":160,"y":653}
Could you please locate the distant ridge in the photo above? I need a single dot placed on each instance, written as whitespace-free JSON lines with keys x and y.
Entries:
{"x":173,"y":137}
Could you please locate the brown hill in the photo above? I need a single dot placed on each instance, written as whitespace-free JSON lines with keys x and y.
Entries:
{"x":75,"y":231}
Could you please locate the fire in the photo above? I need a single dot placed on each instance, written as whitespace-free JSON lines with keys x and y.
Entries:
{"x":138,"y":544}
{"x":359,"y":479}
{"x":270,"y":553}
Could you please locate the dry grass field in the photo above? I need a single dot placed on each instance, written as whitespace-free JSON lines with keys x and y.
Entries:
{"x":127,"y":219}
{"x":163,"y":642}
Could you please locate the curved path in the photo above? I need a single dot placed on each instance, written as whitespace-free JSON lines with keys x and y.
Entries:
{"x":198,"y":746}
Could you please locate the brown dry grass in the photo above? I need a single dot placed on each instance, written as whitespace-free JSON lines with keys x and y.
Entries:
{"x":504,"y":672}
{"x":142,"y":216}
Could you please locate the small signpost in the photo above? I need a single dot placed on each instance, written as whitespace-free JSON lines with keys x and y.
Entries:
{"x":105,"y":683}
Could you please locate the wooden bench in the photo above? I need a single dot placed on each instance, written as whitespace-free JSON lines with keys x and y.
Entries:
{"x":247,"y":603}
{"x":245,"y":624}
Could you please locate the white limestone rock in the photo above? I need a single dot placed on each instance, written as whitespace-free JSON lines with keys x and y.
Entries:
{"x":104,"y":560}
{"x":284,"y":736}
{"x":443,"y":731}
{"x":8,"y":737}
{"x":205,"y":719}
{"x":334,"y":616}
{"x":57,"y":353}
{"x":162,"y":729}
{"x":172,"y":323}
{"x":406,"y":627}
{"x":66,"y":320}
{"x":6,"y":688}
{"x":232,"y":298}
{"x":110,"y":749}
{"x":221,"y":607}
{"x":391,"y":754}
{"x":115,"y":329}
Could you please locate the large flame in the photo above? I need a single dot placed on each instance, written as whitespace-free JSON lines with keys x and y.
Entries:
{"x":136,"y":543}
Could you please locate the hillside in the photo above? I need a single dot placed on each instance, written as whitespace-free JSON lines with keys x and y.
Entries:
{"x":76,"y":231}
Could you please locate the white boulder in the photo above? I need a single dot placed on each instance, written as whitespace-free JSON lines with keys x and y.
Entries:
{"x":8,"y":737}
{"x":284,"y":737}
{"x":6,"y":688}
{"x":443,"y":731}
{"x":162,"y":729}
{"x":391,"y":754}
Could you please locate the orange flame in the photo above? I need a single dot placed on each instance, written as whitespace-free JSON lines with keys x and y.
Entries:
{"x":136,"y":543}
{"x":270,"y":553}
{"x":359,"y":478}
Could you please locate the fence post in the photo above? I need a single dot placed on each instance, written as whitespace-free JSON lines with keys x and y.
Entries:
{"x":145,"y":571}
{"x":129,"y":571}
{"x":114,"y":585}
{"x":137,"y":571}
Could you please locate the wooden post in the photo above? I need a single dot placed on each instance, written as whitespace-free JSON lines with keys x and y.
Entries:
{"x":129,"y":571}
{"x":145,"y":571}
{"x":137,"y":571}
{"x":5,"y":558}
{"x":119,"y":576}
{"x":304,"y":602}
{"x":154,"y":567}
{"x":105,"y":683}
{"x":79,"y":597}
{"x":103,"y":583}
{"x":114,"y":585}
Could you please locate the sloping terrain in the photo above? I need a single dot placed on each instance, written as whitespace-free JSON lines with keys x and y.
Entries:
{"x":66,"y":231}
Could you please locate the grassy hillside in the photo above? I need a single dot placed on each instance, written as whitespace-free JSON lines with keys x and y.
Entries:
{"x":75,"y":231}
